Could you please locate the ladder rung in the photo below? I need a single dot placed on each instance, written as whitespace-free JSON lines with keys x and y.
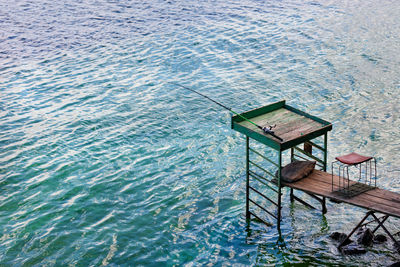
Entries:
{"x":309,"y":155}
{"x":318,"y":164}
{"x":261,"y":168}
{"x":269,"y":224}
{"x":260,"y":178}
{"x":262,"y":208}
{"x":264,"y":157}
{"x":261,"y":194}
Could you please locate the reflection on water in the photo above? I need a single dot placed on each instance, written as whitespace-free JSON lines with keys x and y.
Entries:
{"x":103,"y":162}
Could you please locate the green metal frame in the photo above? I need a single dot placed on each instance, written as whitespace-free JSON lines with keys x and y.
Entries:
{"x":274,"y":183}
{"x":267,"y":140}
{"x":319,"y":162}
{"x":266,"y":179}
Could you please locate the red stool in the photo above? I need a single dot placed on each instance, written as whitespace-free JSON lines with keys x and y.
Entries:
{"x":366,"y":176}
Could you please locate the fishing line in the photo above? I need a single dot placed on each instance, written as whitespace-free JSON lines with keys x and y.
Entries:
{"x":266,"y":130}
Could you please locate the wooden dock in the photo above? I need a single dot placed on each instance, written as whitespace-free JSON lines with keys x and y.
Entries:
{"x":297,"y":128}
{"x":378,"y":200}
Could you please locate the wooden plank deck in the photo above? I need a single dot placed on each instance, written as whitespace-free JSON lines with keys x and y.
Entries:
{"x":379,"y":200}
{"x":292,"y":125}
{"x":289,"y":125}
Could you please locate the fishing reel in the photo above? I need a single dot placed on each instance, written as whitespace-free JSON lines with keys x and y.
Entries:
{"x":268,"y":129}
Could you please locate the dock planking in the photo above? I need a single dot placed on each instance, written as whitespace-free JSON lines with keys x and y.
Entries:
{"x":379,"y":200}
{"x":290,"y":124}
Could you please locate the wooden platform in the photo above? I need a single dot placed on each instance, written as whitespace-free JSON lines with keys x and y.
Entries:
{"x":378,"y":200}
{"x":292,"y":125}
{"x":289,"y":125}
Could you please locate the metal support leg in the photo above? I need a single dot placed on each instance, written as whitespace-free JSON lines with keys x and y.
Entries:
{"x":380,"y":225}
{"x":308,"y":147}
{"x":279,"y":191}
{"x":303,"y":202}
{"x":355,"y":228}
{"x":291,"y":195}
{"x":384,"y":228}
{"x":291,"y":160}
{"x":326,"y":151}
{"x":324,"y":209}
{"x":247,"y":180}
{"x":383,"y":220}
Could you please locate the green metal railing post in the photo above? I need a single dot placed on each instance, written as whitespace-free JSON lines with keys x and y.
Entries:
{"x":247,"y":179}
{"x":325,"y":150}
{"x":324,"y":209}
{"x":291,"y":160}
{"x":279,"y":190}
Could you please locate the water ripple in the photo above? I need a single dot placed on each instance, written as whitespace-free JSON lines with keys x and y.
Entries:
{"x":103,"y":162}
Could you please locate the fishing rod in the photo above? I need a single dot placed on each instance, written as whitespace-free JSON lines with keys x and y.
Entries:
{"x":266,"y":130}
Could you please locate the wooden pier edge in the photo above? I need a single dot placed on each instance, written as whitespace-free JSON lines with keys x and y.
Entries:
{"x":378,"y":200}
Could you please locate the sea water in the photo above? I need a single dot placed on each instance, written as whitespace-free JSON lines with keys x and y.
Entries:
{"x":104,"y":162}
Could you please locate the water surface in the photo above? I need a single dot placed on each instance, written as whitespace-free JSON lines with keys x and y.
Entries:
{"x":103,"y":162}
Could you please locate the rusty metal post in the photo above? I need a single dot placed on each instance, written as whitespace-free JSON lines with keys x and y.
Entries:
{"x":307,"y":146}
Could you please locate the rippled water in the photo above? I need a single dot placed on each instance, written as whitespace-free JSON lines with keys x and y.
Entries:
{"x":103,"y":162}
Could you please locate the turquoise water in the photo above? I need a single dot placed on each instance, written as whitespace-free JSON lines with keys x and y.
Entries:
{"x":103,"y":162}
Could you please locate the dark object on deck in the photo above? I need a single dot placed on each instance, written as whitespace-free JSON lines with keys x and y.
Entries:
{"x":296,"y":170}
{"x":353,"y":249}
{"x":379,"y":239}
{"x":365,"y":237}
